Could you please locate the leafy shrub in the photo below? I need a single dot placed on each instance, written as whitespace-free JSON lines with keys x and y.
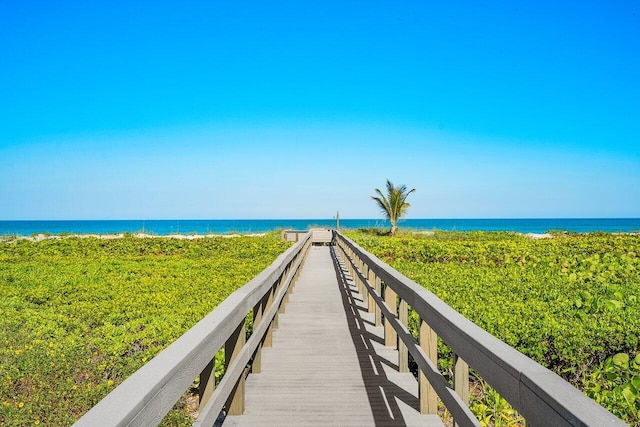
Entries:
{"x":616,"y":384}
{"x":80,"y":315}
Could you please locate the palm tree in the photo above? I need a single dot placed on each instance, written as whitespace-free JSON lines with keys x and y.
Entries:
{"x":394,"y":205}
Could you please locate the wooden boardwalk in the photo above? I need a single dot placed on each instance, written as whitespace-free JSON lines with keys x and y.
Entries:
{"x":328,"y":364}
{"x":325,"y":364}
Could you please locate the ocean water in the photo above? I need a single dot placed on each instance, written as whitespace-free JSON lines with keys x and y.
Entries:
{"x":244,"y":226}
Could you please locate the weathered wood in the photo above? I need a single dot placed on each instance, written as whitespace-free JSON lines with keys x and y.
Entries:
{"x":403,"y":352}
{"x":371,"y":277}
{"x":390,"y":336}
{"x":258,"y":310}
{"x":209,"y":413}
{"x":461,"y":379}
{"x":516,"y":377}
{"x":429,"y":344}
{"x":285,"y":276}
{"x":268,"y":339}
{"x":304,"y":384}
{"x":458,"y":409}
{"x":286,"y":296}
{"x":293,"y":235}
{"x":351,"y":267}
{"x":321,"y":235}
{"x":359,"y":279}
{"x":378,"y":313}
{"x":274,"y":291}
{"x":232,"y":348}
{"x":207,"y":382}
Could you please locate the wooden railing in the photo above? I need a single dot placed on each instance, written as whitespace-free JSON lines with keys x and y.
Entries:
{"x":539,"y":395}
{"x":149,"y":394}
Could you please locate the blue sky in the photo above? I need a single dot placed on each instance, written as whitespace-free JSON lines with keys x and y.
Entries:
{"x":153,"y":110}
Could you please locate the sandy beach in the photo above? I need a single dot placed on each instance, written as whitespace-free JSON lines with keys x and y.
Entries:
{"x":41,"y":236}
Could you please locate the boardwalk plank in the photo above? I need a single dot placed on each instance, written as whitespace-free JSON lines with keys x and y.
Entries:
{"x":328,"y":365}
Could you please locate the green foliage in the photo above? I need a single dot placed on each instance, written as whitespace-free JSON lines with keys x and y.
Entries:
{"x":80,"y":315}
{"x":615,"y":384}
{"x":491,"y":408}
{"x":570,"y":302}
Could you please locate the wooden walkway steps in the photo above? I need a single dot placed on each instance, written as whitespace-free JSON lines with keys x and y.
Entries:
{"x":328,"y":364}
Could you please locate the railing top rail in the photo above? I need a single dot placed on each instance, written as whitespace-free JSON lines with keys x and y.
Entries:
{"x":540,"y":395}
{"x":151,"y":390}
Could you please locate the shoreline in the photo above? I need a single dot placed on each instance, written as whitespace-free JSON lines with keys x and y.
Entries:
{"x":39,"y":237}
{"x":44,"y":236}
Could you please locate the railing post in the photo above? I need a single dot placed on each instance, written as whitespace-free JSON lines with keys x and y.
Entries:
{"x":390,"y":335}
{"x":293,"y":280}
{"x":461,"y":379}
{"x":366,"y":298}
{"x":403,"y":352}
{"x":274,"y":291}
{"x":356,"y":268}
{"x":233,"y":346}
{"x":268,"y":338}
{"x":378,"y":285}
{"x":351,"y":268}
{"x":258,"y":310}
{"x":373,"y":307}
{"x":281,"y":282}
{"x":207,"y":382}
{"x":360,"y":284}
{"x":429,"y":344}
{"x":365,"y":292}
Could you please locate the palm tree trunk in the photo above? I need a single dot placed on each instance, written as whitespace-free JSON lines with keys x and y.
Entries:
{"x":393,"y":230}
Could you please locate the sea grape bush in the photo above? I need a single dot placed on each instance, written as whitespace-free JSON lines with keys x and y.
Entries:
{"x":79,"y":315}
{"x":616,"y":384}
{"x":570,"y":302}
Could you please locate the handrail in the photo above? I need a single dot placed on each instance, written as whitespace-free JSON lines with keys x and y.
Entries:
{"x":538,"y":394}
{"x":148,"y":394}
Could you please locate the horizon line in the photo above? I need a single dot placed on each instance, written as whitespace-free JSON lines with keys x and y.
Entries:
{"x":321,"y":219}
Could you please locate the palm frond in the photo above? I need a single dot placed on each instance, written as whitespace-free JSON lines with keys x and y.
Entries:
{"x":394,"y":204}
{"x":382,"y":201}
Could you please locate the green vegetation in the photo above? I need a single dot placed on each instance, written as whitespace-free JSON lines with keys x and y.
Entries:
{"x":80,"y":315}
{"x":394,"y":205}
{"x":570,"y":302}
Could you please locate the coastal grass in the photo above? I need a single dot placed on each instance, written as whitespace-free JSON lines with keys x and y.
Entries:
{"x":79,"y":315}
{"x":570,"y":302}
